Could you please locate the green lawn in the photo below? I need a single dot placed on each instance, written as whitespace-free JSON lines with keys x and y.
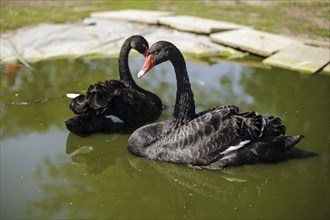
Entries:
{"x":297,"y":18}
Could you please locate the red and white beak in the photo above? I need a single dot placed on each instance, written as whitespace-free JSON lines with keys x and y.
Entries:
{"x":148,"y":64}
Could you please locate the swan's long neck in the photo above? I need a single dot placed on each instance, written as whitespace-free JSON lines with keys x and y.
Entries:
{"x":124,"y":71}
{"x":184,"y":109}
{"x":126,"y":76}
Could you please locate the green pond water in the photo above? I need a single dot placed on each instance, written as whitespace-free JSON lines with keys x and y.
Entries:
{"x":48,"y":173}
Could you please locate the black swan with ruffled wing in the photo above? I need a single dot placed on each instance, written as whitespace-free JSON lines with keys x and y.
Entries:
{"x":115,"y":104}
{"x":213,"y":139}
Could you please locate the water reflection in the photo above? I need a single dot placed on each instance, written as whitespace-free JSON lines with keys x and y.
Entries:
{"x":94,"y":152}
{"x":191,"y":181}
{"x":159,"y":190}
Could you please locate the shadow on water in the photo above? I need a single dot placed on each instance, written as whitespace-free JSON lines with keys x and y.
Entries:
{"x":48,"y":173}
{"x":96,"y":155}
{"x":297,"y":153}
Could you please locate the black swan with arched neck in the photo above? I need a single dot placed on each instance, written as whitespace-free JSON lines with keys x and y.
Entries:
{"x":213,"y":139}
{"x":115,"y":104}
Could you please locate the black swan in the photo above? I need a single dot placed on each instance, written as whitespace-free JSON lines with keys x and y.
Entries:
{"x":115,"y":104}
{"x":213,"y":139}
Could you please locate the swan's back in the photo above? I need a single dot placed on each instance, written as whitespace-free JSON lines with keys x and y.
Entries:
{"x":214,"y":135}
{"x":111,"y":105}
{"x":200,"y":139}
{"x":99,"y":97}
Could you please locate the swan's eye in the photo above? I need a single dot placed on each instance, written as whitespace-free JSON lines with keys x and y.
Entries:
{"x":156,"y":53}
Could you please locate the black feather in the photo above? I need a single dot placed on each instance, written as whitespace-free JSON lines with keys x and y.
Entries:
{"x":121,"y":98}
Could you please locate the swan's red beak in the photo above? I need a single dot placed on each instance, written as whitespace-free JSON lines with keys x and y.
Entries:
{"x":148,"y":64}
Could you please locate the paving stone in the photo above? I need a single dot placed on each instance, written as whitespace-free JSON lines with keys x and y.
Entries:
{"x":300,"y":57}
{"x":253,"y":41}
{"x":326,"y":70}
{"x":190,"y":43}
{"x":143,"y":16}
{"x":196,"y":24}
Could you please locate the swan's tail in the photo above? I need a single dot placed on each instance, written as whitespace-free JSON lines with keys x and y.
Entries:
{"x":273,"y":126}
{"x":78,"y":105}
{"x":270,"y":149}
{"x":254,"y":126}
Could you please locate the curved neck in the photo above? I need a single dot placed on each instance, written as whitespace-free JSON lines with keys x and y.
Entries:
{"x":184,"y":109}
{"x":125,"y":75}
{"x":124,"y":71}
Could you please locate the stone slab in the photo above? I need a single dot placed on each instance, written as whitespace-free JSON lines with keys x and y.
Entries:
{"x":196,"y":24}
{"x":300,"y":57}
{"x":253,"y":41}
{"x":190,"y":43}
{"x":142,"y":16}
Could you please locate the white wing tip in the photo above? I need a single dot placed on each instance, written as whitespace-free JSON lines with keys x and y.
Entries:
{"x":115,"y":119}
{"x":72,"y":95}
{"x":234,"y":148}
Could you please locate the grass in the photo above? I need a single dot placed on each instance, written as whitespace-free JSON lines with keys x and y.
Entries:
{"x":16,"y":16}
{"x":306,"y":19}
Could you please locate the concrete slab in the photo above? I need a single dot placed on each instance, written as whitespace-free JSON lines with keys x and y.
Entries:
{"x":253,"y":41}
{"x":300,"y":57}
{"x":142,"y":16}
{"x":189,"y":43}
{"x":196,"y":24}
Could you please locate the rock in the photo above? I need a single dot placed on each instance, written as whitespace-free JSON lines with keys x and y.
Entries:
{"x":196,"y":24}
{"x":253,"y":41}
{"x":192,"y":44}
{"x":300,"y":57}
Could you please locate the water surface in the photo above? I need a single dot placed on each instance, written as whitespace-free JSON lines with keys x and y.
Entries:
{"x":48,"y":173}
